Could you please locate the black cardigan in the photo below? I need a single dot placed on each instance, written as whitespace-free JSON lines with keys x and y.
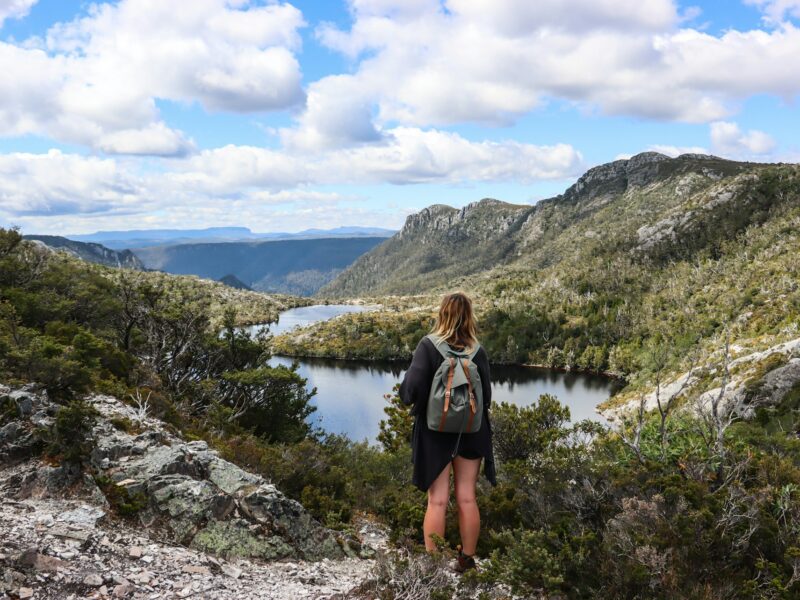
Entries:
{"x":431,"y":450}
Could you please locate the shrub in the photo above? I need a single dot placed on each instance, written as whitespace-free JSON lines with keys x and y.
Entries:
{"x":521,"y":432}
{"x":70,"y":436}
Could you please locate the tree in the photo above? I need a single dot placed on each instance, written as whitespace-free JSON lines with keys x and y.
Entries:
{"x":396,"y":429}
{"x":273,"y":402}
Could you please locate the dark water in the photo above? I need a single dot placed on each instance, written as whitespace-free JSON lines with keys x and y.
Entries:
{"x":350,"y":401}
{"x":306,"y":315}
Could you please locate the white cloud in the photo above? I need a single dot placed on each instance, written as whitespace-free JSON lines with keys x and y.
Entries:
{"x":232,"y":182}
{"x":674,"y":151}
{"x":776,"y":11}
{"x":490,"y":61}
{"x":335,"y":115}
{"x":729,"y":140}
{"x":14,"y":9}
{"x":55,"y":184}
{"x":155,"y":139}
{"x":95,"y":80}
{"x":407,"y":155}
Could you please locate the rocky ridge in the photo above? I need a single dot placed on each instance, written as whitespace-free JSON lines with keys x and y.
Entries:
{"x":90,"y":252}
{"x":757,"y":378}
{"x":666,"y":199}
{"x":196,"y":524}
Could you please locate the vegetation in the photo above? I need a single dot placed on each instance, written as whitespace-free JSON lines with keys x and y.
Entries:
{"x":74,"y":327}
{"x":593,"y":276}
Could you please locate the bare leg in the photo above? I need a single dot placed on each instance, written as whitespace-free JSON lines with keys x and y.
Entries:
{"x":469,"y":519}
{"x":438,"y":495}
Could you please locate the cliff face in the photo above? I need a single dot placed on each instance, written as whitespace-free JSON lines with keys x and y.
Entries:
{"x":436,"y":245}
{"x":440,"y":244}
{"x":91,"y":252}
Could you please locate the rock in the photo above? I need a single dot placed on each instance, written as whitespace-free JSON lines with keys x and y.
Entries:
{"x":85,"y":516}
{"x":192,"y":502}
{"x":231,"y":571}
{"x":24,"y":400}
{"x":196,"y":569}
{"x":93,"y":579}
{"x":31,"y":559}
{"x":46,"y":521}
{"x":62,"y":531}
{"x":779,"y":382}
{"x":126,"y":482}
{"x":123,"y":590}
{"x":25,"y":593}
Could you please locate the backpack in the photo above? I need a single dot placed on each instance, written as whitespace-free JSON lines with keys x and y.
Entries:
{"x":455,"y":402}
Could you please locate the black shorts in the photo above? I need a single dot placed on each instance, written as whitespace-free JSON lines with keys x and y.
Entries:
{"x":468,"y":454}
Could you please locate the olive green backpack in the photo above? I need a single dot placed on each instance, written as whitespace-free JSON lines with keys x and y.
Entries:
{"x":455,"y":403}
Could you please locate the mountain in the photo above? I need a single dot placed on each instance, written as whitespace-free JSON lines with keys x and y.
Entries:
{"x":234,"y":282}
{"x":650,"y":200}
{"x":298,"y":267}
{"x":143,"y":238}
{"x":91,"y":252}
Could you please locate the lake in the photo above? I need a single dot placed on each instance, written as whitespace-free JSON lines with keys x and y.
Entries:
{"x":306,"y":315}
{"x":350,"y":401}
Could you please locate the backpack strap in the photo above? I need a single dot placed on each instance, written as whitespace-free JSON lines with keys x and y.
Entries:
{"x":447,"y":391}
{"x":446,"y":351}
{"x":471,"y":395}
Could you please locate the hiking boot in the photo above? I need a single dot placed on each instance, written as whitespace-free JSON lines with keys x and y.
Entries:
{"x":464,"y":562}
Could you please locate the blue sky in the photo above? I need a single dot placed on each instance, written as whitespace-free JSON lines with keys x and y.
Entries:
{"x":283,"y":116}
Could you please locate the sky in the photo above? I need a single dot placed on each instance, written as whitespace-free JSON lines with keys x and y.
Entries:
{"x":284,"y":116}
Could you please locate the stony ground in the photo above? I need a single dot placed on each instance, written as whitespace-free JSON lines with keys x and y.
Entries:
{"x":61,"y":538}
{"x":68,"y":549}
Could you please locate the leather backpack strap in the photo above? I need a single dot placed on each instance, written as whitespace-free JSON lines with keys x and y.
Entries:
{"x":447,"y":391}
{"x":471,"y":395}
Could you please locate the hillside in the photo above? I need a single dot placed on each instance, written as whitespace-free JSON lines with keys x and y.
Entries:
{"x":91,"y":252}
{"x":616,"y":200}
{"x":234,"y":282}
{"x":297,"y":267}
{"x":638,"y":254}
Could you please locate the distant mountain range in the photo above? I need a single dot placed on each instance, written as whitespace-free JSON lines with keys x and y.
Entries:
{"x":296,"y":266}
{"x":90,"y":252}
{"x":143,"y":238}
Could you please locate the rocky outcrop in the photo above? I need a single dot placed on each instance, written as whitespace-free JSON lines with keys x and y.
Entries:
{"x":182,"y":491}
{"x":67,"y":549}
{"x":90,"y":252}
{"x":752,"y":383}
{"x":153,"y":515}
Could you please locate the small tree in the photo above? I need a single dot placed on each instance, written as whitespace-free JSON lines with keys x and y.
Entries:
{"x":396,"y":429}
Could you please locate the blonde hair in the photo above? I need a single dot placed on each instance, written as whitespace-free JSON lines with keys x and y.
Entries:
{"x":456,"y":321}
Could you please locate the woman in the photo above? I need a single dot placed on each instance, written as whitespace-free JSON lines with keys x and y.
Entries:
{"x":433,"y":451}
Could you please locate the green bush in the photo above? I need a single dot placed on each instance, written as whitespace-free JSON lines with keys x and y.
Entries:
{"x":70,"y":437}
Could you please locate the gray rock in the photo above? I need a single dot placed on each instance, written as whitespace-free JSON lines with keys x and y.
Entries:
{"x":31,"y":559}
{"x":779,"y":382}
{"x":123,"y":590}
{"x":93,"y":579}
{"x":187,"y":493}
